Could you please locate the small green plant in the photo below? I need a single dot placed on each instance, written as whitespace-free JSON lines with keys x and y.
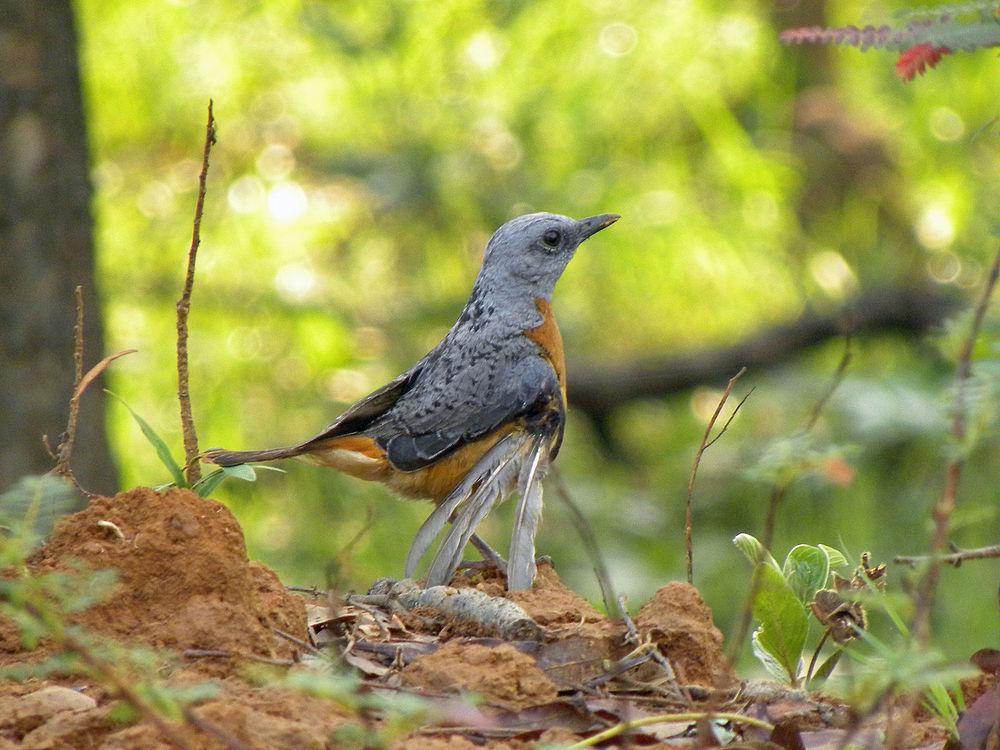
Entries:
{"x":782,"y":598}
{"x":207,"y":484}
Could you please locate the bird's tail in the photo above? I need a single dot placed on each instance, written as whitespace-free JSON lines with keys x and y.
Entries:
{"x":235,"y":458}
{"x":517,"y":455}
{"x":521,"y":563}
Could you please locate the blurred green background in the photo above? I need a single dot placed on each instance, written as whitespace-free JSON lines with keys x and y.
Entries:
{"x":368,"y":149}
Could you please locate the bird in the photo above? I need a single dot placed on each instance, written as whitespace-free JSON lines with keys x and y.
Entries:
{"x":481,"y":415}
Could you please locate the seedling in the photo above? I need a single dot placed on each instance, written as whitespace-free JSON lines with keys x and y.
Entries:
{"x":207,"y":484}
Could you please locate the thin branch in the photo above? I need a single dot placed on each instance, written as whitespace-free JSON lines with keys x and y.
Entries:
{"x":943,"y":509}
{"x":689,"y":514}
{"x":586,"y":532}
{"x":95,"y":372}
{"x":946,"y":504}
{"x":192,"y":467}
{"x":210,"y":727}
{"x":65,"y":450}
{"x":956,"y":558}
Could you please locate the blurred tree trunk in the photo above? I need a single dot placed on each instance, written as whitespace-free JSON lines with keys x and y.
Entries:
{"x":46,"y":246}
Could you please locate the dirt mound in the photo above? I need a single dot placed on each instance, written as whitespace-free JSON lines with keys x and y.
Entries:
{"x":680,"y":623}
{"x":184,"y":578}
{"x":502,"y":675}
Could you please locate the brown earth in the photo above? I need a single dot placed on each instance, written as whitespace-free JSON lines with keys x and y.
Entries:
{"x":186,"y":588}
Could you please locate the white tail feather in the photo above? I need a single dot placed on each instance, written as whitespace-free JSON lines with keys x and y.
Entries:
{"x":488,"y":495}
{"x":521,"y":566}
{"x":476,"y":480}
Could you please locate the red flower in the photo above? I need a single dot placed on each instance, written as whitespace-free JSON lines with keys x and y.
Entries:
{"x":917,"y":59}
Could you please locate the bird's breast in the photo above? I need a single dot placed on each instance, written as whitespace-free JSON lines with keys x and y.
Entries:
{"x":548,"y":338}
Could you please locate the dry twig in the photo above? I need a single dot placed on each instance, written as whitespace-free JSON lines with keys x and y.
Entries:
{"x":63,"y":453}
{"x":943,"y":509}
{"x":192,"y":468}
{"x":956,"y":558}
{"x":688,"y":516}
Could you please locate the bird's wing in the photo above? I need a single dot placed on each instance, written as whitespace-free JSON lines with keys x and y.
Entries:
{"x":355,"y":419}
{"x":433,"y":424}
{"x":371,"y":407}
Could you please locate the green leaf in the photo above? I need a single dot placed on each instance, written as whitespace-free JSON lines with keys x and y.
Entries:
{"x":806,"y":569}
{"x":754,"y":551}
{"x":765,"y":657}
{"x":837,"y":558}
{"x":783,"y":621}
{"x":822,"y":674}
{"x":157,"y":442}
{"x":32,"y":506}
{"x":207,"y":485}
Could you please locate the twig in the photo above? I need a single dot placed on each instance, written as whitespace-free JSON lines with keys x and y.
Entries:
{"x":625,"y":726}
{"x":778,"y":493}
{"x":192,"y":467}
{"x":298,"y":642}
{"x":589,"y":539}
{"x":689,"y":514}
{"x":956,"y":558}
{"x":64,"y":452}
{"x":946,"y":504}
{"x":210,"y":727}
{"x":211,"y":653}
{"x":633,"y":637}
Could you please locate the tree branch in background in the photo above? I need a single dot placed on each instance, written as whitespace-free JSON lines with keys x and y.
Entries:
{"x":597,"y":390}
{"x":688,"y":517}
{"x":192,"y":468}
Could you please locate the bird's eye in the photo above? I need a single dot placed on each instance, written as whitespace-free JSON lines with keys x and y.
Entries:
{"x":552,"y":237}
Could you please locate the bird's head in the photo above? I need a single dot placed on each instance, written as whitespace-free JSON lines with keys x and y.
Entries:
{"x":527,"y":255}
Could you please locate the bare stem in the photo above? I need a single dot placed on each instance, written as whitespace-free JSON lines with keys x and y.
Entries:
{"x":192,"y":467}
{"x":956,"y":558}
{"x":945,"y":505}
{"x":688,"y":517}
{"x":65,"y":450}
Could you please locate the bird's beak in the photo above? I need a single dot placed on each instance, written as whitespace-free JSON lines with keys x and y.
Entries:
{"x":595,"y":224}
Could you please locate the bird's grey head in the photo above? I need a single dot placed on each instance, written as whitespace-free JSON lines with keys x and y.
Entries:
{"x":527,"y":255}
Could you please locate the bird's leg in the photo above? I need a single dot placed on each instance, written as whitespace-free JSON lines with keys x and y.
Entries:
{"x":490,"y":556}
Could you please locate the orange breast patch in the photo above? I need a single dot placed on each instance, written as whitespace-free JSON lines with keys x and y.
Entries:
{"x":550,"y":341}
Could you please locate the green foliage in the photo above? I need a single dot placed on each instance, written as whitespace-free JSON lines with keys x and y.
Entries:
{"x":781,"y":636}
{"x":400,"y":713}
{"x":781,"y":600}
{"x":207,"y":484}
{"x":28,"y":512}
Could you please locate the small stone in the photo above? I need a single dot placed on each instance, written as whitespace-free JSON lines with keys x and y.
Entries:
{"x":24,"y":713}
